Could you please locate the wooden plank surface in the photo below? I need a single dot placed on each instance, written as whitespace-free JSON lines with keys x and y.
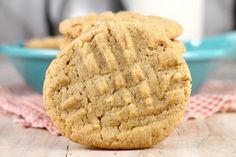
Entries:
{"x":215,"y":136}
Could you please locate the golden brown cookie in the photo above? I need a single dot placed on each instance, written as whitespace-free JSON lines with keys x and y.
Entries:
{"x":74,"y":27}
{"x":48,"y":42}
{"x":64,"y":42}
{"x":118,"y":86}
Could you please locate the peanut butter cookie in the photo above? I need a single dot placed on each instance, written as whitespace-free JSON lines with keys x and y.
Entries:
{"x":118,"y":86}
{"x":74,"y":27}
{"x":47,"y":42}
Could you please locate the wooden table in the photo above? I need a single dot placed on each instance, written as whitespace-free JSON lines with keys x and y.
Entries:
{"x":212,"y":137}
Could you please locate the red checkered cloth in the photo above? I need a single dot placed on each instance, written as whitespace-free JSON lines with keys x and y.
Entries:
{"x":213,"y":97}
{"x":27,"y":105}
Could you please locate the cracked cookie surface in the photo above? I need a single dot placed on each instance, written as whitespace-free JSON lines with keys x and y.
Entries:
{"x":118,"y":86}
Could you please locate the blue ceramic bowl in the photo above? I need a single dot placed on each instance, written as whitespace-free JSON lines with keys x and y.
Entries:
{"x":200,"y":56}
{"x":30,"y":63}
{"x":201,"y":62}
{"x":203,"y":54}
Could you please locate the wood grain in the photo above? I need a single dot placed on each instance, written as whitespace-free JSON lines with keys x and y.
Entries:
{"x":16,"y":141}
{"x":215,"y":136}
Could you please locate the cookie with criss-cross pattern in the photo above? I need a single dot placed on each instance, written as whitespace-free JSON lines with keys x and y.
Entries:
{"x":72,"y":28}
{"x":118,"y":86}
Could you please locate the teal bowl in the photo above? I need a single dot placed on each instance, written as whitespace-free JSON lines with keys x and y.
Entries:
{"x":30,"y":63}
{"x":200,"y":56}
{"x":203,"y":54}
{"x":200,"y":63}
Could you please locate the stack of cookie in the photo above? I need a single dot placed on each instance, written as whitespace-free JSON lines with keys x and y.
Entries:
{"x":72,"y":28}
{"x":120,"y":83}
{"x":53,"y":42}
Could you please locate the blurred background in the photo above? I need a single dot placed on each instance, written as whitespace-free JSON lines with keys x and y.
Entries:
{"x":25,"y":19}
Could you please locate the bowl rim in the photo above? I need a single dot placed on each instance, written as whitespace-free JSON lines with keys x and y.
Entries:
{"x":204,"y":55}
{"x":16,"y":49}
{"x":208,"y":53}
